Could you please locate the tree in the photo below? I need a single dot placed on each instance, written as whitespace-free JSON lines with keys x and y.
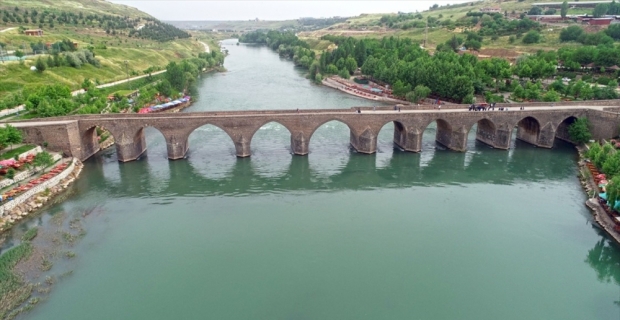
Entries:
{"x":611,"y":167}
{"x":419,"y":92}
{"x":10,"y":174}
{"x":551,"y":96}
{"x":535,"y":11}
{"x":19,"y":54}
{"x":613,"y":191}
{"x":564,"y":9}
{"x":600,"y":10}
{"x":455,"y":42}
{"x":473,"y":45}
{"x":40,"y":65}
{"x":350,"y":64}
{"x":571,"y":33}
{"x":10,"y":135}
{"x":400,"y":89}
{"x":531,"y":37}
{"x":579,"y":131}
{"x":43,"y":160}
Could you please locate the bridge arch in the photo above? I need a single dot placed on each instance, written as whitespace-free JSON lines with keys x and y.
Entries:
{"x":205,"y":132}
{"x":322,"y":125}
{"x":266,"y":123}
{"x":561,"y":131}
{"x":486,"y":131}
{"x":528,"y":130}
{"x":443,"y":131}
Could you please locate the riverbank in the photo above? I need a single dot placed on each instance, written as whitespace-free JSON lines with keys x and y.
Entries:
{"x":352,"y":89}
{"x":604,"y":220}
{"x":33,"y":199}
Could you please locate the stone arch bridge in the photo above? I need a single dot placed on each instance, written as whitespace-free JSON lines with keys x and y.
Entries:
{"x":76,"y":135}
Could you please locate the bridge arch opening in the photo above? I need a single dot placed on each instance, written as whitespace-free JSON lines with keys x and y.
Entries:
{"x":528,"y":130}
{"x":390,"y":136}
{"x":271,"y":152}
{"x":329,"y":148}
{"x":439,"y":132}
{"x":562,"y":131}
{"x":155,"y":143}
{"x":211,"y":152}
{"x":484,"y":130}
{"x":97,"y":139}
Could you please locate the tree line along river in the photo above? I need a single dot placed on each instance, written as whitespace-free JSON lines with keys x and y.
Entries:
{"x":485,"y":234}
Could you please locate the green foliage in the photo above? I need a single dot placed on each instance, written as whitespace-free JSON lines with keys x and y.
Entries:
{"x":8,"y":280}
{"x":613,"y":191}
{"x":43,"y":159}
{"x":572,"y":33}
{"x":40,"y":65}
{"x":419,"y":92}
{"x":611,"y":167}
{"x":600,"y":10}
{"x":531,"y":37}
{"x":579,"y":130}
{"x":10,"y":135}
{"x":30,"y":234}
{"x":551,"y":96}
{"x":595,"y":149}
{"x":564,"y":9}
{"x":400,"y":89}
{"x":10,"y":174}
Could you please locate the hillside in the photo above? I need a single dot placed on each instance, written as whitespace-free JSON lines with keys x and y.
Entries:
{"x":130,"y":43}
{"x":84,"y":6}
{"x":445,"y":22}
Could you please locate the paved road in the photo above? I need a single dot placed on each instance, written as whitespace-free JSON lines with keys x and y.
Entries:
{"x":207,"y":49}
{"x":251,"y":113}
{"x":7,"y":29}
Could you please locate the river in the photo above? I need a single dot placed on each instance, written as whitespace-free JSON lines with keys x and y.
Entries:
{"x":485,"y":234}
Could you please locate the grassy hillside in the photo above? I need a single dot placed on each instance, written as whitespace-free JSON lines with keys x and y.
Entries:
{"x":84,"y":6}
{"x":112,"y":49}
{"x":370,"y":26}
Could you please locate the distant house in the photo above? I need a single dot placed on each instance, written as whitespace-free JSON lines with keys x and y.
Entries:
{"x":491,"y":10}
{"x":34,"y":32}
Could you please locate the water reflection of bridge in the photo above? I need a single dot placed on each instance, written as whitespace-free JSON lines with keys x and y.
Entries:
{"x":158,"y":177}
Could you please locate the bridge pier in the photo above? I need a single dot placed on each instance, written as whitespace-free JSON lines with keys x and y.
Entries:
{"x":176,"y":149}
{"x":410,"y":141}
{"x":129,"y":146}
{"x":498,"y":138}
{"x":365,"y":142}
{"x":242,"y":146}
{"x":299,"y":144}
{"x":458,"y":141}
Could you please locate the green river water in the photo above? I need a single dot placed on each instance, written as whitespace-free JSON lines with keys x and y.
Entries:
{"x":486,"y":234}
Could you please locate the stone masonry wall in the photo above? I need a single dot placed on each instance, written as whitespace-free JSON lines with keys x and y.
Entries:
{"x":40,"y":188}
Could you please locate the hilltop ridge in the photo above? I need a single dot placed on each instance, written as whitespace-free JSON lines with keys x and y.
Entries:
{"x":84,"y":6}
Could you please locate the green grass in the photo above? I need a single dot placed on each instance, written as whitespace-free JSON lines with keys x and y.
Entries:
{"x":85,"y":6}
{"x":12,"y":288}
{"x":30,"y":234}
{"x":10,"y":154}
{"x":140,"y":55}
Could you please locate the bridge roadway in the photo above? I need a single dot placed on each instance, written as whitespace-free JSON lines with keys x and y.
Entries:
{"x":538,"y":125}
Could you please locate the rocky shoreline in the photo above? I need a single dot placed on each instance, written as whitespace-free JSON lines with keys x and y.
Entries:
{"x":36,"y":201}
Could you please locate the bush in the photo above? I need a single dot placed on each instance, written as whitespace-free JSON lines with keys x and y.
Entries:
{"x":571,"y":33}
{"x":531,"y":37}
{"x":579,"y":131}
{"x":10,"y":174}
